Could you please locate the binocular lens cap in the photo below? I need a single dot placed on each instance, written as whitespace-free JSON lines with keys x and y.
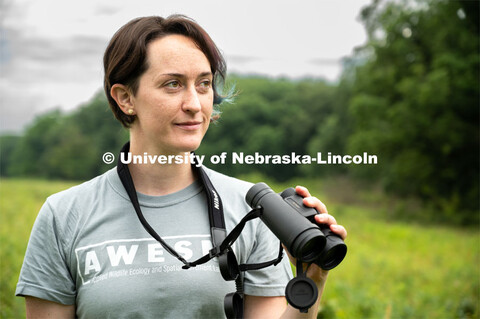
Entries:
{"x":301,"y":293}
{"x":233,"y":305}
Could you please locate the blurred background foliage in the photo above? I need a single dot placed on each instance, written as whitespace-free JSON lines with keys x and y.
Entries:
{"x":409,"y":96}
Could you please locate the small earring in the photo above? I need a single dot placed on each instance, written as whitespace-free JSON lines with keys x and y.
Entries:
{"x":130,"y":111}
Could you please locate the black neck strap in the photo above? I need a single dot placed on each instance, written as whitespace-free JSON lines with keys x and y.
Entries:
{"x":221,"y":242}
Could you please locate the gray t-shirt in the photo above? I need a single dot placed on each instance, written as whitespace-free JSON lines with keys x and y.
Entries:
{"x":88,"y":248}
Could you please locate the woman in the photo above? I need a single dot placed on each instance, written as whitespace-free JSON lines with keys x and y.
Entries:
{"x":88,"y":255}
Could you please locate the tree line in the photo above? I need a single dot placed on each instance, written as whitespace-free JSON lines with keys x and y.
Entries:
{"x":409,"y":96}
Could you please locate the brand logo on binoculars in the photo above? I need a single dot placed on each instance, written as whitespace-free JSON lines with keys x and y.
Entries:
{"x":303,"y":292}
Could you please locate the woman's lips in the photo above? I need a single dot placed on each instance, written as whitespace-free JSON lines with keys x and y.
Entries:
{"x":189,"y":125}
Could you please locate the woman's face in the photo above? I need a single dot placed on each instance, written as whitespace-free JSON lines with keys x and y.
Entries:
{"x":174,"y":100}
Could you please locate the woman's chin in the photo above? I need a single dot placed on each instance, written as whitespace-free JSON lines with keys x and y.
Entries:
{"x":188,"y":147}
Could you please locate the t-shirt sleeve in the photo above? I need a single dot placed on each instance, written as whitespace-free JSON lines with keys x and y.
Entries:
{"x":45,"y":273}
{"x":270,"y":281}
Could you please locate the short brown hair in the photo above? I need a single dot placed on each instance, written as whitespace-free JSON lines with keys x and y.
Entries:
{"x":125,"y":58}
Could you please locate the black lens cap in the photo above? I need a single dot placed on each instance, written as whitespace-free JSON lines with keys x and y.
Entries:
{"x":301,"y":293}
{"x":233,"y":305}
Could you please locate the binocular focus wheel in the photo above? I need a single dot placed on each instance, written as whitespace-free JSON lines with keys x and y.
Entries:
{"x":301,"y":293}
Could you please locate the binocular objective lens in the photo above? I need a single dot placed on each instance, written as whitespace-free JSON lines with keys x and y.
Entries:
{"x":333,"y":257}
{"x":311,"y":249}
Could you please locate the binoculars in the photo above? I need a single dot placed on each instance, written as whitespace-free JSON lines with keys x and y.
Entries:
{"x":293,"y":223}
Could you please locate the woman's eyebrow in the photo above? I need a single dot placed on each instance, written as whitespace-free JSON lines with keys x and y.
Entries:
{"x":203,"y":74}
{"x":180,"y":75}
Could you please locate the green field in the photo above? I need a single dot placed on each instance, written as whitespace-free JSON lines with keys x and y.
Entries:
{"x":392,"y":269}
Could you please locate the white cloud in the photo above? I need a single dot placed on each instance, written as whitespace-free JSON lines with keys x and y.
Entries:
{"x":52,"y":49}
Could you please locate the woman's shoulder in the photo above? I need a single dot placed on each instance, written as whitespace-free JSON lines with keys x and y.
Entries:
{"x":64,"y":211}
{"x":81,"y":194}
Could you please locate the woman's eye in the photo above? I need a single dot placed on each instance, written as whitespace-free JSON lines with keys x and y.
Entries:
{"x":205,"y":84}
{"x":172,"y":84}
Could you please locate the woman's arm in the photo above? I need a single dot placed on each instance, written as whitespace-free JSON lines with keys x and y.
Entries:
{"x":40,"y":308}
{"x":275,"y":307}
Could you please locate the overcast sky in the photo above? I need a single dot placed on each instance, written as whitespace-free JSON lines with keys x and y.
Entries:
{"x":51,"y":50}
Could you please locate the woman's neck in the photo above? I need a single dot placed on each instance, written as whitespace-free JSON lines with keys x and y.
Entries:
{"x":159,"y":179}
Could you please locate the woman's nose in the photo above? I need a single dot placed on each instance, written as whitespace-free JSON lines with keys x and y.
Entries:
{"x":191,"y":102}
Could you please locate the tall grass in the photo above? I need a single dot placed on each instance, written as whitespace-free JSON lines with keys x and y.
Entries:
{"x":397,"y":270}
{"x":20,"y":201}
{"x":392,"y":269}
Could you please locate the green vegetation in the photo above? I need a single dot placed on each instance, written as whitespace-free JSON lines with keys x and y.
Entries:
{"x":415,"y":102}
{"x":396,"y":270}
{"x":20,"y":201}
{"x":392,"y":269}
{"x":410,"y":96}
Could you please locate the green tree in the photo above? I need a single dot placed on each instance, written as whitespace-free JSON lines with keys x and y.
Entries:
{"x":66,"y":146}
{"x":29,"y":156}
{"x":7,"y":145}
{"x":334,"y":128}
{"x":271,"y":117}
{"x":416,"y":101}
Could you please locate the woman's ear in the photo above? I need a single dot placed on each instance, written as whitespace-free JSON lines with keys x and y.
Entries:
{"x":124,"y":98}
